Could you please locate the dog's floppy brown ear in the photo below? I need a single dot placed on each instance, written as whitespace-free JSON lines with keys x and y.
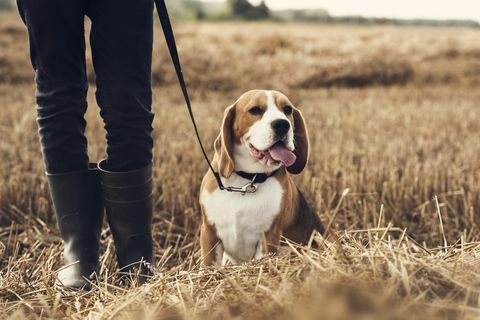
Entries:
{"x":301,"y":143}
{"x":224,"y":144}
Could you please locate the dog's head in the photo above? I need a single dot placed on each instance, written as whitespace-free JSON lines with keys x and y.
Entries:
{"x":261,"y":132}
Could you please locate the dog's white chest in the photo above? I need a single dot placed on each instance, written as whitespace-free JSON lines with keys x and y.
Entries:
{"x":241,"y":220}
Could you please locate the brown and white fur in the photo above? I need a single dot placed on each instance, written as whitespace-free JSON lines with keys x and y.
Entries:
{"x":236,"y":227}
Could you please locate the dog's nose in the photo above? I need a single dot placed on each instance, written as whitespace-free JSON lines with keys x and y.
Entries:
{"x":280,"y":127}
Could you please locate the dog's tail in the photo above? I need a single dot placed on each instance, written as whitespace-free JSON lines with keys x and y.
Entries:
{"x":317,"y":223}
{"x":309,"y":215}
{"x":306,"y":222}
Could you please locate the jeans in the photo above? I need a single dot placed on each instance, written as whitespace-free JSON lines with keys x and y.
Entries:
{"x":121,"y":41}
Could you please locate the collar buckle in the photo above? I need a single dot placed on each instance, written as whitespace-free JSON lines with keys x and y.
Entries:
{"x":250,"y":187}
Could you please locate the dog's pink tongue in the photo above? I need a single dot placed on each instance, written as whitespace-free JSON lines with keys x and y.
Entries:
{"x":280,"y":153}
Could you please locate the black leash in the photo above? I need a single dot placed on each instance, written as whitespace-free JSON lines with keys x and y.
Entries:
{"x":172,"y":48}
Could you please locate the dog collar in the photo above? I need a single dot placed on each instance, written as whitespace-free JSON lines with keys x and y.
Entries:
{"x":256,"y":177}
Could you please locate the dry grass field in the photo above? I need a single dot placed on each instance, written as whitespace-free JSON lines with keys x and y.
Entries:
{"x":394,"y":117}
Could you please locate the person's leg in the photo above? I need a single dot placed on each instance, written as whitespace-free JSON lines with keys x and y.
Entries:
{"x":121,"y":40}
{"x":57,"y":47}
{"x":57,"y":52}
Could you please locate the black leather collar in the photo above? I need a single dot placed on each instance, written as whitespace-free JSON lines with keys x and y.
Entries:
{"x":259,"y":177}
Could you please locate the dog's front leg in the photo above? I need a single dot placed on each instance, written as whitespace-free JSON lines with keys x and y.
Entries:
{"x":210,"y":244}
{"x":259,"y":251}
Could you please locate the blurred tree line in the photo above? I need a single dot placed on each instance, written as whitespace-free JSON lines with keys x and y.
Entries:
{"x":7,"y":4}
{"x":245,"y":10}
{"x":230,"y":9}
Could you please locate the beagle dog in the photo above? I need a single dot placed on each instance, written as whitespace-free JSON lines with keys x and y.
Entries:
{"x":263,"y":139}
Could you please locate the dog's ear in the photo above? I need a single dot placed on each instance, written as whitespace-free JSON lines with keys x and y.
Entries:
{"x":224,"y":144}
{"x":301,"y":143}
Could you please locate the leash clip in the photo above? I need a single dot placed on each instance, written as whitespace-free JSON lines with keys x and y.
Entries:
{"x":248,"y":188}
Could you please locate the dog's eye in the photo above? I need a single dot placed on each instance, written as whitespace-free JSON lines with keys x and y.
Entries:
{"x":288,"y":110}
{"x":255,"y":110}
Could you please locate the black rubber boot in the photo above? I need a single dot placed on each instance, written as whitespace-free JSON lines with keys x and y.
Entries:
{"x":77,"y":199}
{"x":128,"y":202}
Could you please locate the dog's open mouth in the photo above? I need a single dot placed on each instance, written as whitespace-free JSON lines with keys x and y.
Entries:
{"x":278,"y":152}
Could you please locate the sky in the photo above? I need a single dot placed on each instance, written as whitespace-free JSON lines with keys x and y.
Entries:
{"x":430,"y":9}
